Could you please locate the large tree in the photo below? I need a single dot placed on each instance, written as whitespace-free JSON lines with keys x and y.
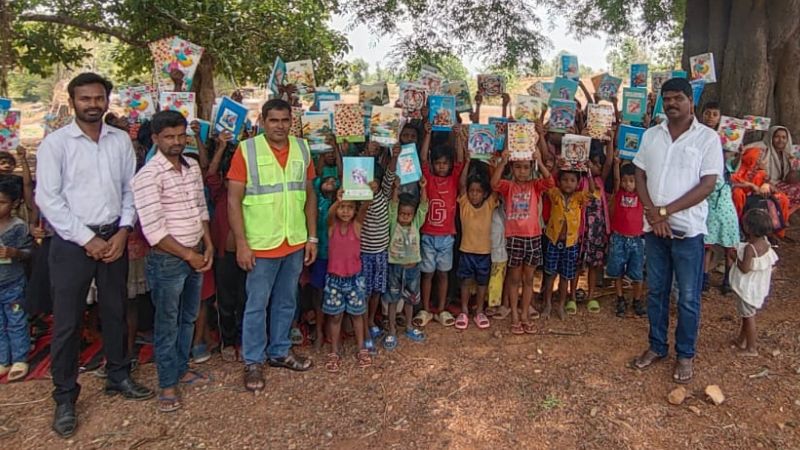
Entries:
{"x":241,"y":38}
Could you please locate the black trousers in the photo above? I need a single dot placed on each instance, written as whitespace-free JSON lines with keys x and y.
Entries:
{"x":231,"y":297}
{"x":71,"y":274}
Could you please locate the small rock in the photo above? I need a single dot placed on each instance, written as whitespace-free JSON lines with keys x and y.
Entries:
{"x":715,"y":394}
{"x":539,"y":351}
{"x":376,"y":376}
{"x":677,"y":395}
{"x":497,"y":334}
{"x":781,"y":425}
{"x":126,"y":422}
{"x":695,"y":410}
{"x":329,"y":435}
{"x":775,"y":353}
{"x":797,"y":403}
{"x":593,"y":412}
{"x":537,"y":371}
{"x":531,"y":357}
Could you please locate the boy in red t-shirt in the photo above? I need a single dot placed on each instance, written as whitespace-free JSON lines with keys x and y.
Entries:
{"x":626,"y":257}
{"x":438,"y":232}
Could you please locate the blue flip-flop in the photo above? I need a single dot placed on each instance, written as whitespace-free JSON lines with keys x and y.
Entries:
{"x":390,"y":342}
{"x":196,"y":378}
{"x":415,"y":335}
{"x":375,"y":332}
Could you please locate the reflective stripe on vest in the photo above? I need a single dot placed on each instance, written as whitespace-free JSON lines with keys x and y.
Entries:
{"x":255,"y":187}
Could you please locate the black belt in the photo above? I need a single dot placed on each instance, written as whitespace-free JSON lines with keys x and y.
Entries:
{"x":107,"y":230}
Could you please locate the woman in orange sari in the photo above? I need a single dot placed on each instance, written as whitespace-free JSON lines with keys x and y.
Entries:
{"x":751,"y":178}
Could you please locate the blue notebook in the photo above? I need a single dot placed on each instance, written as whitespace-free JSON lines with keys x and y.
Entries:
{"x":5,"y":104}
{"x":501,"y":130}
{"x":357,"y":173}
{"x":634,"y":104}
{"x":562,"y":115}
{"x":325,"y":97}
{"x":569,"y":67}
{"x":409,"y":169}
{"x":191,"y":143}
{"x":442,"y":112}
{"x":277,"y":77}
{"x":231,"y":116}
{"x":639,"y":75}
{"x":628,"y":141}
{"x":563,"y":89}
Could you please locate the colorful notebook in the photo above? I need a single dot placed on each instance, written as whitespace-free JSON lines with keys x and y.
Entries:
{"x":358,"y":172}
{"x":431,"y":80}
{"x":529,"y":108}
{"x":277,"y":77}
{"x":522,"y":139}
{"x":538,"y":89}
{"x":575,"y":151}
{"x":413,"y":97}
{"x":702,"y":67}
{"x":562,"y":115}
{"x":563,"y":89}
{"x":296,"y":129}
{"x":628,"y":140}
{"x":183,"y":102}
{"x":231,"y":116}
{"x":697,"y":90}
{"x":731,"y":132}
{"x":373,"y":94}
{"x":316,"y":128}
{"x":481,"y":142}
{"x":658,"y":108}
{"x":10,"y":124}
{"x":639,"y":75}
{"x":348,"y":122}
{"x":5,"y":104}
{"x":301,"y":75}
{"x":491,"y":85}
{"x":757,"y":123}
{"x":460,"y":90}
{"x":569,"y":67}
{"x":500,"y":132}
{"x":138,"y":102}
{"x":634,"y":104}
{"x":442,"y":112}
{"x":205,"y":130}
{"x":384,"y":125}
{"x":599,"y":120}
{"x":174,"y":53}
{"x":657,"y":79}
{"x":409,"y":169}
{"x":320,"y":96}
{"x":606,"y":86}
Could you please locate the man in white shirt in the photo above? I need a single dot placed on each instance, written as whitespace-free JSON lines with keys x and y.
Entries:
{"x":84,"y":173}
{"x":677,"y":166}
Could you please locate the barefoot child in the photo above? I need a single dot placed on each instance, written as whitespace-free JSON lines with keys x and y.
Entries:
{"x":626,"y":254}
{"x":345,"y":289}
{"x":561,"y":238}
{"x":523,"y":232}
{"x":15,"y":247}
{"x":750,"y":276}
{"x":405,"y":219}
{"x":476,"y":203}
{"x":326,"y":188}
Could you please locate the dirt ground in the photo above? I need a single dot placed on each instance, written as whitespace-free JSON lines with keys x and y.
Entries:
{"x":471,"y":390}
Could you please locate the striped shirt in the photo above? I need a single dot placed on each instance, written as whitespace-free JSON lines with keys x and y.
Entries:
{"x":375,"y":231}
{"x":170,"y":202}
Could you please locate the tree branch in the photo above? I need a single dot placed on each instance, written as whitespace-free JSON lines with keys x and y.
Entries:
{"x":73,"y":22}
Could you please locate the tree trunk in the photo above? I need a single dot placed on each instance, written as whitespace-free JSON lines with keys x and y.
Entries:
{"x":203,"y":85}
{"x":756,"y":47}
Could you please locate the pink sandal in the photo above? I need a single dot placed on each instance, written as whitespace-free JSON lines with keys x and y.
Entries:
{"x":462,"y":322}
{"x":481,"y":321}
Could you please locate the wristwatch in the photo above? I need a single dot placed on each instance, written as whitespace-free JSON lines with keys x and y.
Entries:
{"x":128,"y":228}
{"x":663,"y":211}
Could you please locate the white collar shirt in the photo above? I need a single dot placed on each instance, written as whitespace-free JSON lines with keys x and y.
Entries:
{"x":674,"y":168}
{"x":82,"y":183}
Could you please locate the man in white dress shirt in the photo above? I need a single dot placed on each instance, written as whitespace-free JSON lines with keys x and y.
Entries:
{"x":677,"y":167}
{"x":84,"y":173}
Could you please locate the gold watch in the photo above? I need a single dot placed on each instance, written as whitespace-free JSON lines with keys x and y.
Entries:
{"x":663,"y":211}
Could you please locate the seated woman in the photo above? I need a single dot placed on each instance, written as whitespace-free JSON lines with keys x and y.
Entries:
{"x":778,"y":161}
{"x":751,"y":178}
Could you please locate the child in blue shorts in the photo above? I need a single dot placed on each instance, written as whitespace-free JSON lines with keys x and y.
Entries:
{"x":345,"y":289}
{"x":405,"y":219}
{"x":626,"y":254}
{"x":326,"y":188}
{"x":561,"y":242}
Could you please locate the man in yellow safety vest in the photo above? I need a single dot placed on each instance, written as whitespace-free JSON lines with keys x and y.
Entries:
{"x":272,"y":210}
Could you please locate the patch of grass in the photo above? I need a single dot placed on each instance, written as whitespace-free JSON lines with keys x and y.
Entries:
{"x":550,"y":402}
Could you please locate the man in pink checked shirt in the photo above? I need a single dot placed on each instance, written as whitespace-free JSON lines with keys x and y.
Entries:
{"x":169,"y":198}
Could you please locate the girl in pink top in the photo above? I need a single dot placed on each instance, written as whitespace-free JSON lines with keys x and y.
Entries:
{"x":345,"y":289}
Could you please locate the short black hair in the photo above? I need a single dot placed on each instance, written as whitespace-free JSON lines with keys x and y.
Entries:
{"x":8,"y":157}
{"x":166,"y":119}
{"x":627,"y":169}
{"x":757,"y":222}
{"x":276,"y":104}
{"x":406,"y":199}
{"x":483,"y":182}
{"x":678,"y":85}
{"x":86,"y":79}
{"x":11,"y":187}
{"x":442,"y":151}
{"x":711,"y":105}
{"x":561,"y":174}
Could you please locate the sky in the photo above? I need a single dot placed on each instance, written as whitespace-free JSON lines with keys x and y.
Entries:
{"x":374,"y":49}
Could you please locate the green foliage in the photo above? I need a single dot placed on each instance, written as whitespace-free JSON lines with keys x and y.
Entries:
{"x":29,"y":87}
{"x":625,"y":52}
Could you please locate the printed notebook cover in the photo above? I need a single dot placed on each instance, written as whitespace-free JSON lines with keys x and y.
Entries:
{"x":529,"y":108}
{"x":174,"y":53}
{"x":183,"y":102}
{"x":409,"y":169}
{"x":569,"y":67}
{"x":301,"y":75}
{"x":481,"y":142}
{"x":563,"y":89}
{"x":373,"y":94}
{"x":634,"y":104}
{"x":358,"y":172}
{"x":442,"y":112}
{"x":460,"y":90}
{"x":702,"y":67}
{"x":522,"y":139}
{"x":491,"y":85}
{"x":348,"y":122}
{"x":628,"y":140}
{"x":10,"y":125}
{"x":562,"y":115}
{"x":384,"y":125}
{"x":413,"y":97}
{"x":575,"y":151}
{"x":231,"y":116}
{"x":316,"y":128}
{"x":731,"y":133}
{"x":639,"y":75}
{"x":500,"y":131}
{"x":599,"y":120}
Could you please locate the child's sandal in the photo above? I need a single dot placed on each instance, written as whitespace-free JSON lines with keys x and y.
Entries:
{"x":516,"y":328}
{"x":364,"y":359}
{"x":334,"y":363}
{"x":528,"y":328}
